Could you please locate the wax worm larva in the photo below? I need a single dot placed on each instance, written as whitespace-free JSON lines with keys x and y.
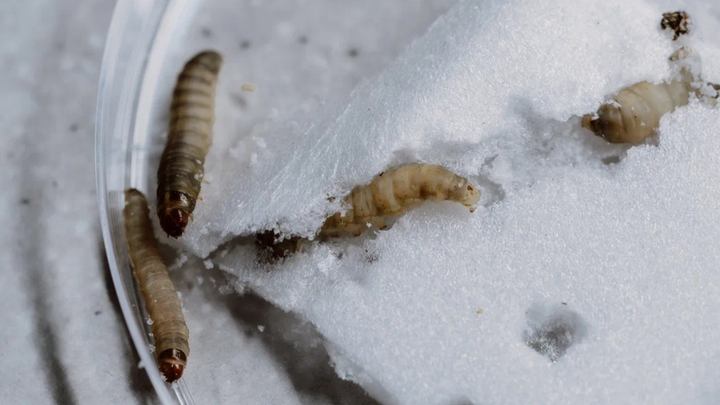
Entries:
{"x":161,"y":301}
{"x":635,"y":112}
{"x":396,"y":190}
{"x":189,"y":138}
{"x":678,"y":22}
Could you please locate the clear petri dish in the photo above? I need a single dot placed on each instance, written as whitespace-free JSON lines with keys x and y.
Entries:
{"x":139,"y":35}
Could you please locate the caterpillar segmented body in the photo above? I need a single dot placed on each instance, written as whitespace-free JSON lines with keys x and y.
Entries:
{"x":636,"y":111}
{"x":393,"y":192}
{"x":161,"y":301}
{"x":189,"y":138}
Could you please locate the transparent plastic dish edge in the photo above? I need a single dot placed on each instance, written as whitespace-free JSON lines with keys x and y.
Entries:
{"x":136,"y":27}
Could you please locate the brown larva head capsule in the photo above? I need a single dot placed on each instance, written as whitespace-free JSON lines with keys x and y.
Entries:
{"x":172,"y":364}
{"x":678,"y":22}
{"x":174,"y":222}
{"x":174,"y":213}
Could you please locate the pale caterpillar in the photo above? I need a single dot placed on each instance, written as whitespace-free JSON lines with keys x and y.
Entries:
{"x":635,"y":113}
{"x":394,"y":191}
{"x":388,"y":195}
{"x":189,"y":138}
{"x":161,"y":301}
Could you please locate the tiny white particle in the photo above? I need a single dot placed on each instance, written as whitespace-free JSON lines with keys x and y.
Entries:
{"x":208,"y":264}
{"x":150,"y":321}
{"x":179,"y":262}
{"x":261,"y":328}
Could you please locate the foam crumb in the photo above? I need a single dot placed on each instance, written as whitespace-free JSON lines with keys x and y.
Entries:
{"x":178,"y":262}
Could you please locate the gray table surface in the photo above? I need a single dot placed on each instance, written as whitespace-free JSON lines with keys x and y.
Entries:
{"x":62,"y":334}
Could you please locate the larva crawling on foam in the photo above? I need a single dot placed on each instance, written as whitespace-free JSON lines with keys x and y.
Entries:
{"x":636,"y":111}
{"x":393,"y":192}
{"x":189,"y":138}
{"x":161,"y":301}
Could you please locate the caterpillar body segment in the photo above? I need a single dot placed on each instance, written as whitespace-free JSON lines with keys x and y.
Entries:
{"x":192,"y":115}
{"x":636,"y":111}
{"x":161,"y":301}
{"x":393,"y":192}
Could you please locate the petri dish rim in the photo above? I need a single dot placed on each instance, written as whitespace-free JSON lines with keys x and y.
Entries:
{"x":137,"y":40}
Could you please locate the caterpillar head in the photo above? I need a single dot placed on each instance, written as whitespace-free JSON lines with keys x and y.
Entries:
{"x":172,"y":364}
{"x":174,"y":213}
{"x":469,"y":195}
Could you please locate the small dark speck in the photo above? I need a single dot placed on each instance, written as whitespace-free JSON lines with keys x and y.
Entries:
{"x":60,"y":46}
{"x":238,"y":100}
{"x":25,"y":201}
{"x":98,"y":313}
{"x":205,"y":32}
{"x":611,"y":160}
{"x":245,"y":44}
{"x":73,"y":127}
{"x":54,"y":183}
{"x":353,"y":52}
{"x":303,"y":39}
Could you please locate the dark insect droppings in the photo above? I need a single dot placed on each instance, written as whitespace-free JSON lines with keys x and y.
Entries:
{"x":245,"y":44}
{"x":206,"y":33}
{"x":73,"y":127}
{"x":676,"y":21}
{"x":303,"y":39}
{"x":353,"y":52}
